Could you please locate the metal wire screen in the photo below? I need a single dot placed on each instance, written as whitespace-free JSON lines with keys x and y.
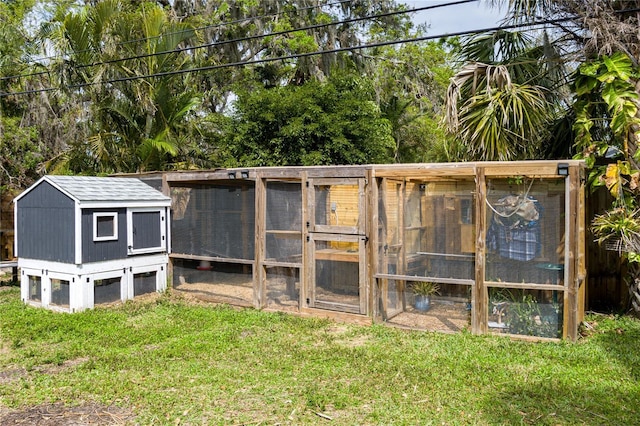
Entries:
{"x":144,"y":283}
{"x":283,"y":287}
{"x":427,"y":229}
{"x":284,"y":222}
{"x":154,"y":182}
{"x":35,"y":288}
{"x":59,"y":292}
{"x":526,"y":312}
{"x":442,"y":312}
{"x":525,"y":231}
{"x":214,"y":281}
{"x":214,"y":220}
{"x":337,"y":205}
{"x":337,"y":276}
{"x":107,"y":290}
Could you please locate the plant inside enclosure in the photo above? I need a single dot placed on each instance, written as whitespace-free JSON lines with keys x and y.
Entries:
{"x":524,"y":315}
{"x":425,"y":288}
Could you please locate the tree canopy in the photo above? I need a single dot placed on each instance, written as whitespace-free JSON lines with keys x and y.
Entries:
{"x":119,"y":86}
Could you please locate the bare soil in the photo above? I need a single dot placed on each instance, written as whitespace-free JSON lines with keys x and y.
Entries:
{"x":58,"y":414}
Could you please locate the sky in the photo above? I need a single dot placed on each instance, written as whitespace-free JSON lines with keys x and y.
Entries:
{"x":452,"y":19}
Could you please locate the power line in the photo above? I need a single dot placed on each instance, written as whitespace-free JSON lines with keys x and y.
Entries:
{"x":302,"y":55}
{"x":206,"y":27}
{"x":259,"y":36}
{"x":278,"y":33}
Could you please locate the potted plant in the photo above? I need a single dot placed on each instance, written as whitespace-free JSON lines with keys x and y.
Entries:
{"x":423,"y":290}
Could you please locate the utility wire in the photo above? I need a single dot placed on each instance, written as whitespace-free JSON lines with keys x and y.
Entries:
{"x":255,"y":37}
{"x":206,"y":27}
{"x":300,"y":55}
{"x":278,"y":33}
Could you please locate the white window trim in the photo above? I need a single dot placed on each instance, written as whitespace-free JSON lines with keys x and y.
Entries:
{"x":114,"y":216}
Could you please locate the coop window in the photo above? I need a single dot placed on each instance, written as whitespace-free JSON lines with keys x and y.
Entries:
{"x":105,"y":226}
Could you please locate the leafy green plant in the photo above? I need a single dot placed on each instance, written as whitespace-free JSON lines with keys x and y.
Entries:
{"x":620,"y":229}
{"x":425,"y":288}
{"x":606,"y":125}
{"x":525,"y":316}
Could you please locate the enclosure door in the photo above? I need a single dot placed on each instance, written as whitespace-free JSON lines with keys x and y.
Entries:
{"x":146,"y":230}
{"x":335,"y":245}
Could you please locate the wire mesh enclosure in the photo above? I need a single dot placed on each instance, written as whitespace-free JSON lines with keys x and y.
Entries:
{"x":107,"y":290}
{"x":214,"y":220}
{"x":222,"y":282}
{"x":426,"y":234}
{"x":488,"y":247}
{"x":525,"y":244}
{"x":59,"y":292}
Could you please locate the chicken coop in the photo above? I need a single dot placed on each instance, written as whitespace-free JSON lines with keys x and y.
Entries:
{"x":84,"y":241}
{"x":499,"y":247}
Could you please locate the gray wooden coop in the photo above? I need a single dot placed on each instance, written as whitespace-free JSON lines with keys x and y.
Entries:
{"x":83,"y":241}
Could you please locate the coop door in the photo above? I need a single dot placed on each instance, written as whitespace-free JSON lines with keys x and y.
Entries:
{"x":146,"y":231}
{"x":336,"y":240}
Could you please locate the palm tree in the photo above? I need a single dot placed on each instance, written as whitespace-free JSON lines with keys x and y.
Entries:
{"x":503,"y":99}
{"x":134,"y":123}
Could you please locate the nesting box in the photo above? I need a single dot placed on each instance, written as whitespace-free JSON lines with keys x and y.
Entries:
{"x":83,"y":241}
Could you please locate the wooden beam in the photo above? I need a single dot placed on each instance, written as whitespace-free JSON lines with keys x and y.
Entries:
{"x":570,"y":328}
{"x":479,"y":302}
{"x":259,"y":279}
{"x":307,"y":268}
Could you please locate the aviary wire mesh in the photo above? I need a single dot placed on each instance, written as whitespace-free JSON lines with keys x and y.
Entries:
{"x":525,"y":245}
{"x":107,"y":290}
{"x":144,"y":283}
{"x":283,"y":287}
{"x":284,"y":222}
{"x":283,"y":244}
{"x":427,"y":229}
{"x":214,"y":220}
{"x":60,"y":292}
{"x":214,"y":281}
{"x":35,"y":288}
{"x":525,"y":231}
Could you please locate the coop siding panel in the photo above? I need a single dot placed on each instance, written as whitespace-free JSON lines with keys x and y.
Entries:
{"x":99,"y":251}
{"x":46,"y":229}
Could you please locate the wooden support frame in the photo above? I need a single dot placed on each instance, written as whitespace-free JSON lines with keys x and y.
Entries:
{"x":479,"y":293}
{"x":372,"y":189}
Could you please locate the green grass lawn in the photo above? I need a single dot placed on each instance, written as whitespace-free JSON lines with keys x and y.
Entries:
{"x":165,"y":361}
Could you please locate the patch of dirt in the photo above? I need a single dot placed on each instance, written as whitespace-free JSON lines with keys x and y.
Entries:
{"x":60,"y":415}
{"x":54,"y":368}
{"x":8,"y":375}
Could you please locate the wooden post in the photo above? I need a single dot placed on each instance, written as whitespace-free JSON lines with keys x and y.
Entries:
{"x":582,"y":251}
{"x":306,"y":269}
{"x":166,"y":190}
{"x":380,"y":238}
{"x":570,"y":328}
{"x":479,"y":303}
{"x":259,"y":280}
{"x":371,"y":242}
